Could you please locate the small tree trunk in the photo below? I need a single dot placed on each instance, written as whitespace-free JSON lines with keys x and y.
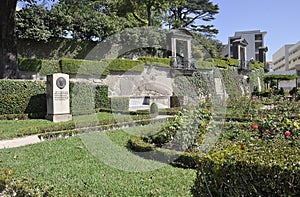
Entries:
{"x":8,"y":39}
{"x":149,"y":15}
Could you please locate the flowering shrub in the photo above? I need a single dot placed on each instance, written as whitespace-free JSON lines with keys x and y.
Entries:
{"x":185,"y":132}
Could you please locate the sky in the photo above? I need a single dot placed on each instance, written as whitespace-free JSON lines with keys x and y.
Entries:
{"x":280,"y":19}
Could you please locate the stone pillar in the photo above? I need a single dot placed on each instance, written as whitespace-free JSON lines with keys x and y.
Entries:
{"x":58,"y":98}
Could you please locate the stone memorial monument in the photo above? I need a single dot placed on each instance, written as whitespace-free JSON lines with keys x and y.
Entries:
{"x":58,"y":98}
{"x":179,"y":48}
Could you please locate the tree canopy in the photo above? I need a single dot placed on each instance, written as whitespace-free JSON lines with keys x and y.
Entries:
{"x":93,"y":20}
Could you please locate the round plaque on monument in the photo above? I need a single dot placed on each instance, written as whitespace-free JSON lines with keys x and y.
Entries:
{"x":61,"y":82}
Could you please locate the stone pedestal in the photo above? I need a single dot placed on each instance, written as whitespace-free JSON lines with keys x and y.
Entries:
{"x":58,"y":98}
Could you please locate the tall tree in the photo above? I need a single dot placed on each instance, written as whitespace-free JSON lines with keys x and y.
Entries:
{"x":189,"y":14}
{"x":8,"y":41}
{"x":146,"y":12}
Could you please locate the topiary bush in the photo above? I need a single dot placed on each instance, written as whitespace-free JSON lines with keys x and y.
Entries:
{"x":29,"y":65}
{"x":23,"y":97}
{"x":154,"y":110}
{"x":260,"y":169}
{"x":162,"y":62}
{"x":119,"y":104}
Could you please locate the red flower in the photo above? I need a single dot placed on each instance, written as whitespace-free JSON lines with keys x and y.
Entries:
{"x":255,"y":126}
{"x":287,"y":133}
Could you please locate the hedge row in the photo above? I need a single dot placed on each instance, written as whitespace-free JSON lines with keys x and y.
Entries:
{"x":163,"y":62}
{"x":44,"y":67}
{"x":23,"y":97}
{"x":149,"y":151}
{"x":29,"y":97}
{"x":269,"y":169}
{"x":103,"y":67}
{"x":225,"y":62}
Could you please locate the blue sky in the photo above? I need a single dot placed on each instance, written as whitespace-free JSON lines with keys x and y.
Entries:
{"x":280,"y":19}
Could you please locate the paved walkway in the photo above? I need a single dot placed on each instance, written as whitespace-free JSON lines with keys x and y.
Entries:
{"x":17,"y":142}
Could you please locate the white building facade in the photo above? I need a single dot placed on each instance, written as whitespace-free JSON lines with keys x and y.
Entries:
{"x":255,"y":40}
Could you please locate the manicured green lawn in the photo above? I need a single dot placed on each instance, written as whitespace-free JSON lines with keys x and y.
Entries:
{"x":73,"y":166}
{"x":17,"y":128}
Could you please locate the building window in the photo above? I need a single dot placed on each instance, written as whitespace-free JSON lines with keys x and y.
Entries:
{"x":258,"y":37}
{"x":146,"y":100}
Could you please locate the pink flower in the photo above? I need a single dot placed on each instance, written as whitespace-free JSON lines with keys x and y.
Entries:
{"x":255,"y":126}
{"x":287,"y":133}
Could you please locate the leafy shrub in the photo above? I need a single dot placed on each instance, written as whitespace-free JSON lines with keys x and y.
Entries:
{"x":201,"y":64}
{"x":49,"y":67}
{"x":232,"y":62}
{"x":119,"y":104}
{"x":163,"y":62}
{"x":82,"y":98}
{"x":83,"y":67}
{"x":221,"y":63}
{"x":10,"y":186}
{"x":29,"y":65}
{"x":101,"y":97}
{"x":102,"y":67}
{"x":184,"y":132}
{"x":23,"y":97}
{"x":124,"y":65}
{"x":257,"y":65}
{"x":263,"y":169}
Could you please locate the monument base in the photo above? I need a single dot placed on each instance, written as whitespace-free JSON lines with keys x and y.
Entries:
{"x":59,"y":117}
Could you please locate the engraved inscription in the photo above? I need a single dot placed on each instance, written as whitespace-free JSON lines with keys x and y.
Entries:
{"x":61,"y":95}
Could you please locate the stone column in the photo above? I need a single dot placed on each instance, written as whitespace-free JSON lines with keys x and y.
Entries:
{"x":58,"y":98}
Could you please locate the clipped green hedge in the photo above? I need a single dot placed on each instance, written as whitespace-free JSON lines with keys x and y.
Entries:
{"x":83,"y":67}
{"x":44,"y":67}
{"x":102,"y":67}
{"x":221,"y":63}
{"x":124,"y":65}
{"x":23,"y":97}
{"x":270,"y":77}
{"x":225,"y":62}
{"x":266,"y":169}
{"x":102,"y":101}
{"x":257,"y":65}
{"x":29,"y":65}
{"x":49,"y":67}
{"x":119,"y":104}
{"x":162,"y":62}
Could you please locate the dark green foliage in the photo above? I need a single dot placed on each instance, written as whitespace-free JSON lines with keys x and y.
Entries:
{"x":270,"y":77}
{"x":22,"y":97}
{"x":82,"y":98}
{"x":163,"y":62}
{"x":44,"y":67}
{"x":28,"y":98}
{"x":101,"y":97}
{"x":263,"y":169}
{"x":29,"y":65}
{"x":119,"y":104}
{"x":55,"y":48}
